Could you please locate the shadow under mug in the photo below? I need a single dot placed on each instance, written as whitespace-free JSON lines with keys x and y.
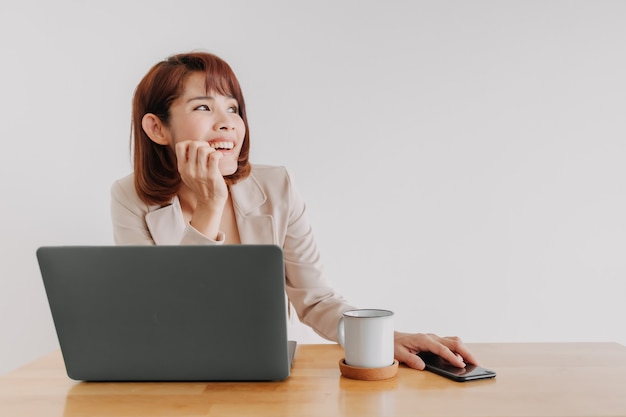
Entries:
{"x":366,"y":336}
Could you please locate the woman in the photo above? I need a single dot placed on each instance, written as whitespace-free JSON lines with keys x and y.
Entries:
{"x":193,"y":184}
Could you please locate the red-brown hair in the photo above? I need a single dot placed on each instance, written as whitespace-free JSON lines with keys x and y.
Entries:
{"x":156,"y":174}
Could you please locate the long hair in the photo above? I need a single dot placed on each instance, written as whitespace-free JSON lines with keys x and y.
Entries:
{"x":157,"y":179}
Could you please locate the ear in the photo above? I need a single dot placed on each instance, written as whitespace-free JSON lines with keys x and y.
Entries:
{"x":154,"y":128}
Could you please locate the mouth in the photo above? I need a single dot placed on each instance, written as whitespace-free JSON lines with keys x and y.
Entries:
{"x":222,"y":145}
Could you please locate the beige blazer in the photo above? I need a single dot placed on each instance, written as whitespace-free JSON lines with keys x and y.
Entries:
{"x":268,"y":210}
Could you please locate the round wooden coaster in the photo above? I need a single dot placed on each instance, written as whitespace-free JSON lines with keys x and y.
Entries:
{"x":368,"y":374}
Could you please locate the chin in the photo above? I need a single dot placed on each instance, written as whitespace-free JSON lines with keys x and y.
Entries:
{"x":228,"y":169}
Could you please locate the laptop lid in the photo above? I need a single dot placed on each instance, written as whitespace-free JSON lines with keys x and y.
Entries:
{"x":169,"y":313}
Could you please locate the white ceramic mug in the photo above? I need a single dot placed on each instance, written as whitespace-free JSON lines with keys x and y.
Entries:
{"x":366,"y":336}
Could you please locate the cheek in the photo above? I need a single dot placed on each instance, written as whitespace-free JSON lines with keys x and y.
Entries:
{"x":182,"y":135}
{"x":241,"y":128}
{"x":185,"y":128}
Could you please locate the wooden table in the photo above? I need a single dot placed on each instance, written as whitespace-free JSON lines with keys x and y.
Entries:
{"x":567,"y":379}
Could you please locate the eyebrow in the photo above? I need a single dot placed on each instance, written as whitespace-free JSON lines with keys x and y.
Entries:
{"x":207,"y":98}
{"x":201,"y":98}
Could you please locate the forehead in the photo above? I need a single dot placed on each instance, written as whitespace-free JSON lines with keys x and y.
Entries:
{"x":195,"y":83}
{"x":200,"y":82}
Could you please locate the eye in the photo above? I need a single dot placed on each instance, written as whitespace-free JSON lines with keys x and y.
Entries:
{"x":203,"y":107}
{"x":233,"y":109}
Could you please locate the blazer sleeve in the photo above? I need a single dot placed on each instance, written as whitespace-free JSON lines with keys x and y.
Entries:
{"x":307,"y":287}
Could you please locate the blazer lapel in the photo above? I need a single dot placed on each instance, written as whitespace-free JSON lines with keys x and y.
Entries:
{"x":166,"y":224}
{"x":254,"y":226}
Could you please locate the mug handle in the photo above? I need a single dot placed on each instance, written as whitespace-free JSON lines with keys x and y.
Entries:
{"x":341,"y":334}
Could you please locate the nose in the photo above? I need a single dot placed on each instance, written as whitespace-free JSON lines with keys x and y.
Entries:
{"x":224,"y":121}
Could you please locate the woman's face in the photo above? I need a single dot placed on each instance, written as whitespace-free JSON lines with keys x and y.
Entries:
{"x":210,"y":117}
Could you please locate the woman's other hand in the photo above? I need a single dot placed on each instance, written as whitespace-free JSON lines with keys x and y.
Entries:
{"x":451,"y":349}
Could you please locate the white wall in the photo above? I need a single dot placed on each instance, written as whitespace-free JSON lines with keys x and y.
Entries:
{"x":463,"y":162}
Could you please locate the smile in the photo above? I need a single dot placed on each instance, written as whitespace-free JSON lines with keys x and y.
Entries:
{"x":222,"y":145}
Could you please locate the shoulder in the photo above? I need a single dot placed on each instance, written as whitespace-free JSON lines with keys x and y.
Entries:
{"x":125,"y":183}
{"x":269,"y":171}
{"x":266,"y":186}
{"x":124,"y":186}
{"x":123,"y":192}
{"x":272,"y":177}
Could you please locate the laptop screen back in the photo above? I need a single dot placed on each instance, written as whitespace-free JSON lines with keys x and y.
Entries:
{"x":148,"y":313}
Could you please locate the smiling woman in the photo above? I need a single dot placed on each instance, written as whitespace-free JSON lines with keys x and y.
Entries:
{"x":193,"y":184}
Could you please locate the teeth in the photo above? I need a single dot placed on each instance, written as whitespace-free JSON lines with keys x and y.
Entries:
{"x":222,"y":145}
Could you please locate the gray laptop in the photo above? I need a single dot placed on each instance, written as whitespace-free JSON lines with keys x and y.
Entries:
{"x":169,"y":313}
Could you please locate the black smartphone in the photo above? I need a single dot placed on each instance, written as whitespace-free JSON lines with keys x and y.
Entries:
{"x":441,"y":367}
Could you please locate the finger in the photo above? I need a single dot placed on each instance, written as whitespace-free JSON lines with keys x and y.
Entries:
{"x":410,"y":359}
{"x":439,"y":346}
{"x":458,"y":347}
{"x":214,"y":162}
{"x":446,"y":354}
{"x":182,"y":152}
{"x":203,"y":157}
